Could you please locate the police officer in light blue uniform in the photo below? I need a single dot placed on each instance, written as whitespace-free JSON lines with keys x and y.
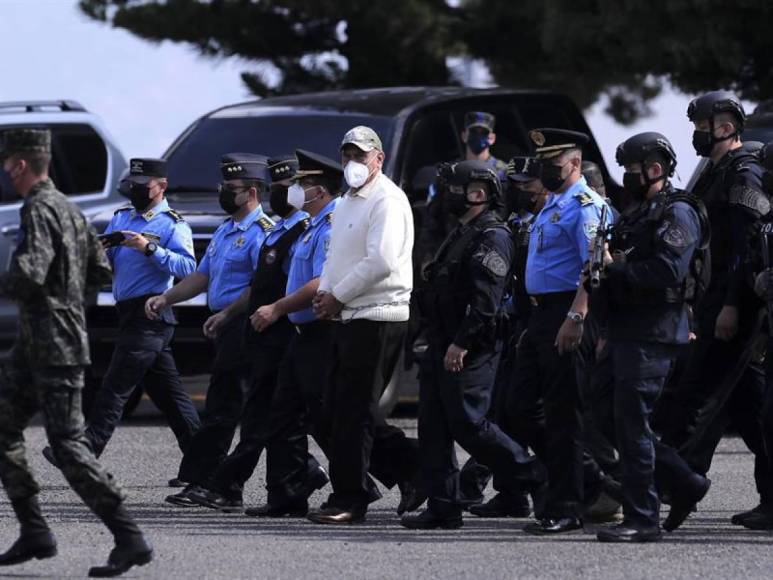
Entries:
{"x":558,"y":249}
{"x":225,"y":273}
{"x":157,"y":247}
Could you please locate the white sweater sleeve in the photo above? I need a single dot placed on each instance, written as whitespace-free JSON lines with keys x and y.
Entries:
{"x":387,"y":232}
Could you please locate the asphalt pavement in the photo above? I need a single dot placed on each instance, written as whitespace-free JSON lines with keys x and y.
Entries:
{"x":199,"y":543}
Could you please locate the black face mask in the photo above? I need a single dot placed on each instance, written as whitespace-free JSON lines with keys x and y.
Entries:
{"x":278,"y":201}
{"x":227,"y":199}
{"x":477,"y":141}
{"x":550,"y":176}
{"x":704,"y":141}
{"x":7,"y":190}
{"x":138,"y":194}
{"x":632,"y":183}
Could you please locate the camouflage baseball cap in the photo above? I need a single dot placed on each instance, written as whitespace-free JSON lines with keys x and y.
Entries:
{"x":363,"y":137}
{"x":31,"y":140}
{"x":479,"y":119}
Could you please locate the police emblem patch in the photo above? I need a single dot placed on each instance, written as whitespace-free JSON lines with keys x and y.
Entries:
{"x":240,"y":241}
{"x":555,"y":217}
{"x":537,"y":138}
{"x":495,"y":263}
{"x":271,"y":257}
{"x":589,"y":229}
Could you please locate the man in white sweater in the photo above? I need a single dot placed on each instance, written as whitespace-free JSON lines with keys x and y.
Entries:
{"x":366,"y":287}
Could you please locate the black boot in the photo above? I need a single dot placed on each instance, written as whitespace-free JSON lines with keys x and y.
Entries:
{"x":35,"y":538}
{"x":131,"y":547}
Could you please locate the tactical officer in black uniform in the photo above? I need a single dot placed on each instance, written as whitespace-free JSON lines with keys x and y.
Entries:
{"x":727,"y":317}
{"x":463,"y":300}
{"x":646,"y":290}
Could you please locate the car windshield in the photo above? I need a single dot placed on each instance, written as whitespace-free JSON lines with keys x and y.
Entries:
{"x":194,"y":162}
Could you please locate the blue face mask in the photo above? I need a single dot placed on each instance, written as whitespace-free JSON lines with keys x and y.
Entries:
{"x":477,"y":142}
{"x":7,"y":190}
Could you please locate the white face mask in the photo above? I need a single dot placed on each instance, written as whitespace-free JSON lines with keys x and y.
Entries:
{"x":356,"y":174}
{"x":296,"y":196}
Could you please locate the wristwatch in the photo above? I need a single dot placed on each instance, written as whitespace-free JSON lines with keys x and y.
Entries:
{"x":575,"y":317}
{"x":151,"y":248}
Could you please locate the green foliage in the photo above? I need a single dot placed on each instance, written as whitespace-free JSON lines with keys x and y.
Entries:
{"x":621,"y":49}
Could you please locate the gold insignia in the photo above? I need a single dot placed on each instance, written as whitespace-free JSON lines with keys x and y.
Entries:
{"x":240,"y":242}
{"x":149,"y":214}
{"x":537,"y":137}
{"x":585,"y":199}
{"x":265,"y":223}
{"x":555,"y":217}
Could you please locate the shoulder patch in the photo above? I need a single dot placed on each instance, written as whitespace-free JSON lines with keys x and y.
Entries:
{"x":265,"y":224}
{"x":750,"y":198}
{"x":494,"y":263}
{"x":174,"y":215}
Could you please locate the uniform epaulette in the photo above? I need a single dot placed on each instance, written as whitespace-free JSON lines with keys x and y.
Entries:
{"x":306,"y":223}
{"x":584,"y":198}
{"x":124,"y":208}
{"x":174,"y":215}
{"x":265,"y":223}
{"x":329,"y":218}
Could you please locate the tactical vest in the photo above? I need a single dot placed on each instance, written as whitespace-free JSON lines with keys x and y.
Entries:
{"x":521,"y":242}
{"x":637,"y":234}
{"x":446,"y":298}
{"x":269,"y":283}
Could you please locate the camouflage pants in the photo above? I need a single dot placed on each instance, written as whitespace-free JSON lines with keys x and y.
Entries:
{"x":56,"y":391}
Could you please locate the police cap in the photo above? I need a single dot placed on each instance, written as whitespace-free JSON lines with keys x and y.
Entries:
{"x":479,"y":119}
{"x":247,"y":166}
{"x":27,"y":140}
{"x":310,"y":163}
{"x":145,"y":169}
{"x":640,"y":147}
{"x":707,"y":106}
{"x":522,"y":169}
{"x":282,"y":167}
{"x":550,"y":142}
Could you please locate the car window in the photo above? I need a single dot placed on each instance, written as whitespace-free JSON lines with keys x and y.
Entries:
{"x":78,"y":159}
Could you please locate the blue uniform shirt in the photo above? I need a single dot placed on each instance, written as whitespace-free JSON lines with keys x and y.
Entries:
{"x":560,"y":239}
{"x":232,"y":256}
{"x":309,"y":253}
{"x":134,"y":273}
{"x":281,"y":227}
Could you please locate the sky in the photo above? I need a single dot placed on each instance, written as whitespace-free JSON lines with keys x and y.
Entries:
{"x":147,"y":94}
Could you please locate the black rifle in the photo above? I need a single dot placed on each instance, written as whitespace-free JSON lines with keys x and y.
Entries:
{"x":597,"y":260}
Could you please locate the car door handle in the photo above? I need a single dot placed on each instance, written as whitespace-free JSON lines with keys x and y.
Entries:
{"x":10,"y":231}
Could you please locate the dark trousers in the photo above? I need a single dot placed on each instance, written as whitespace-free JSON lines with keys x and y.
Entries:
{"x":262,"y":397}
{"x":640,"y":370}
{"x":223,"y":407}
{"x":541,"y":370}
{"x":363,"y":356}
{"x":142,"y":355}
{"x":56,"y":391}
{"x":453,"y":407}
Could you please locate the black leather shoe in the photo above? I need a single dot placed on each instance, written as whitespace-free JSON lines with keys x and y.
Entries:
{"x":628,"y":533}
{"x":411,"y":498}
{"x":427,"y":520}
{"x":502,"y":506}
{"x":762,"y":520}
{"x":183,"y":498}
{"x":177,"y":482}
{"x":738,"y":519}
{"x":216,"y":501}
{"x":123,"y":557}
{"x":287,"y":510}
{"x":467,"y":501}
{"x":26,"y":548}
{"x":48,"y":453}
{"x":336,"y":516}
{"x":683,"y":505}
{"x":547,"y":526}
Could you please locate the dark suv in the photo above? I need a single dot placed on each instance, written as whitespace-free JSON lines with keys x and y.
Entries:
{"x":419,"y":128}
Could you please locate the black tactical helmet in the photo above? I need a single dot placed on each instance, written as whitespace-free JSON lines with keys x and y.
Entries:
{"x":708,"y":105}
{"x":638,"y":148}
{"x":463,"y":173}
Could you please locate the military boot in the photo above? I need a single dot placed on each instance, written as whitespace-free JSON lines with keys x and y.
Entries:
{"x":35,"y":538}
{"x":131,"y":547}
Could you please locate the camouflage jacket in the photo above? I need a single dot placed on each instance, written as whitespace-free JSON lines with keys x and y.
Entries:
{"x":57,"y":263}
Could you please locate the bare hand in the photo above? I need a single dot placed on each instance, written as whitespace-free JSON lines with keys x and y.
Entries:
{"x":326,"y":306}
{"x":453,"y":362}
{"x":569,"y":336}
{"x":727,"y":323}
{"x":213,"y":324}
{"x":134,"y":241}
{"x":264,"y":317}
{"x":154,"y":305}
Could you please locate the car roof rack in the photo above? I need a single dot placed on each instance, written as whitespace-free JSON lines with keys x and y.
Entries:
{"x":65,"y":106}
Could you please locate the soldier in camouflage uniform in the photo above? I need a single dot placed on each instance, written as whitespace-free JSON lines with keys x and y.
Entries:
{"x":58,"y":261}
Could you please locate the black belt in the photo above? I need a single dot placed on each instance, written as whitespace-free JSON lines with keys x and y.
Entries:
{"x":316,"y":326}
{"x":551,"y":299}
{"x":131,"y":304}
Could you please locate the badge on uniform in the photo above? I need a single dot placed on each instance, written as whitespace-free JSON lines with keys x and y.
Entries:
{"x":555,"y":217}
{"x":240,"y":241}
{"x":495,"y":263}
{"x":149,"y":214}
{"x":271,"y":257}
{"x":590,"y":229}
